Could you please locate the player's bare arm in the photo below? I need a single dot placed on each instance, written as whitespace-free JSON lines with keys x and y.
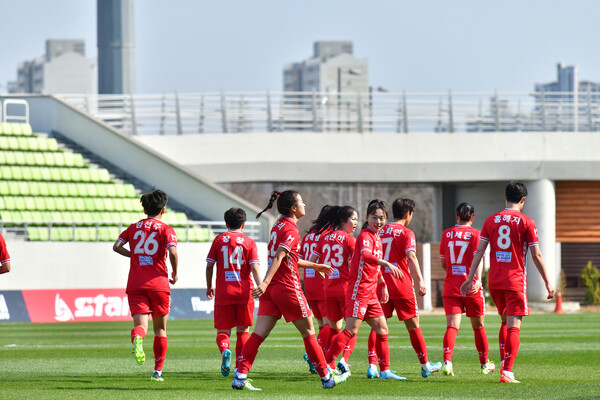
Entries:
{"x":119,"y":248}
{"x":443,"y":263}
{"x":395,"y":270}
{"x":413,"y":264}
{"x":255,"y":268}
{"x":5,"y":268}
{"x":476,"y":269}
{"x":173,"y":257}
{"x":210,"y":290}
{"x":321,"y":268}
{"x":281,"y":253}
{"x":385,"y":295}
{"x":538,"y":260}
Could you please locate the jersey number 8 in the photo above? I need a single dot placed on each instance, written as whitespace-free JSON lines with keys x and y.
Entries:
{"x":504,"y":237}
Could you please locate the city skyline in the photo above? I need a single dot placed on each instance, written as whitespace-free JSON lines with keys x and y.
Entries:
{"x":193,"y":46}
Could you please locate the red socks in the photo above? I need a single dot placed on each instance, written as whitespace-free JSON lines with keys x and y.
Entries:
{"x":383,"y":351}
{"x":502,"y":340}
{"x":315,"y":354}
{"x":349,"y":348}
{"x":160,"y":351}
{"x":481,"y":343}
{"x":418,"y":342}
{"x":137,"y":331}
{"x":330,"y":335}
{"x":449,"y":342}
{"x":242,"y":338}
{"x":222,"y":341}
{"x":371,"y":347}
{"x":249,"y":353}
{"x":512,"y":347}
{"x":337,"y":345}
{"x":323,"y":337}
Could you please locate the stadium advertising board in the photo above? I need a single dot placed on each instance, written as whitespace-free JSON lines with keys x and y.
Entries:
{"x":12,"y":307}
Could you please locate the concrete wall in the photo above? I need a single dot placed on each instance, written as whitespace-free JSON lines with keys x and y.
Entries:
{"x":81,"y":265}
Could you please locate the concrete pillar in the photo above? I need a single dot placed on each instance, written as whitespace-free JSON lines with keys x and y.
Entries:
{"x":541,"y":206}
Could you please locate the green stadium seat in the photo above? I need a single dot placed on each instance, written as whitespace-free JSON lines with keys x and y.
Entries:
{"x":73,"y":189}
{"x":85,"y":175}
{"x":38,"y":143}
{"x":69,"y":203}
{"x":104,"y":175}
{"x":23,"y":188}
{"x":85,"y":234}
{"x":4,"y":188}
{"x":111,"y":190}
{"x":36,"y":217}
{"x":101,"y":190}
{"x":37,"y":234}
{"x":62,"y":189}
{"x":52,"y":144}
{"x":17,"y":173}
{"x":2,"y":157}
{"x":5,"y":173}
{"x":59,"y":159}
{"x":45,"y":189}
{"x":59,"y":204}
{"x":34,"y":188}
{"x":13,"y":143}
{"x":26,"y":129}
{"x":29,"y":203}
{"x":92,"y":189}
{"x":27,"y":174}
{"x":30,"y":159}
{"x":17,"y":128}
{"x":78,"y":160}
{"x":4,"y":143}
{"x":50,"y":203}
{"x":80,"y":204}
{"x":11,"y":158}
{"x":23,"y":144}
{"x":43,"y":174}
{"x":76,"y":175}
{"x":49,"y":159}
{"x":40,"y":203}
{"x":5,"y":128}
{"x":65,"y":174}
{"x":20,"y":158}
{"x":90,"y":204}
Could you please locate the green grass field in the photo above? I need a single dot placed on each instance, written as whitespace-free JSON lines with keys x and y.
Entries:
{"x":558,"y":358}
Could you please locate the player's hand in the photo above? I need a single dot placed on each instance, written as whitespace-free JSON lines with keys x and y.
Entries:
{"x":466,"y":288}
{"x":476,"y":286}
{"x":323,"y":269}
{"x":551,"y":291}
{"x":260,"y":290}
{"x":395,"y":270}
{"x":210,"y":292}
{"x":173,"y":279}
{"x":422,"y":288}
{"x":385,"y":295}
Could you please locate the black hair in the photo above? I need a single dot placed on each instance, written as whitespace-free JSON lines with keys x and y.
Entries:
{"x":285,"y":201}
{"x":373,"y":206}
{"x":343,"y":214}
{"x":402,"y":206}
{"x":515,"y":191}
{"x":323,"y":220}
{"x":235,"y":218}
{"x":154,"y":201}
{"x":465,"y":211}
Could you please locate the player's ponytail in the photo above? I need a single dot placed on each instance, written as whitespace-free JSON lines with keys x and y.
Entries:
{"x":285,"y":201}
{"x":373,"y":206}
{"x":324,"y":220}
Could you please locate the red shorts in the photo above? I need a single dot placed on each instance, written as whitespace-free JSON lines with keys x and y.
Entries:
{"x":510,"y":302}
{"x":232,"y":315}
{"x":280,"y":300}
{"x":473,"y":305}
{"x":318,"y":308}
{"x":363,"y":309}
{"x":336,"y":308}
{"x":149,"y":302}
{"x":406,"y":308}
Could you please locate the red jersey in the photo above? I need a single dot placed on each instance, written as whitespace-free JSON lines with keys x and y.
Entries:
{"x":362,"y":283}
{"x":313,"y":281}
{"x":4,"y":256}
{"x":285,"y":234}
{"x":150,"y":238}
{"x":457,"y":248}
{"x":509,"y":233}
{"x":397,"y":241}
{"x":335,"y":249}
{"x":233,"y":253}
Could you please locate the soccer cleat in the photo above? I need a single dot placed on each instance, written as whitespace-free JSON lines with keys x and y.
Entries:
{"x":343,"y":367}
{"x":390,"y":375}
{"x":488,"y":367}
{"x":447,"y":368}
{"x":508,"y":377}
{"x":334,"y":380}
{"x":156,"y":377}
{"x":434,"y":367}
{"x":243,"y":384}
{"x":226,"y":362}
{"x":138,"y":350}
{"x":311,"y":367}
{"x":372,"y":372}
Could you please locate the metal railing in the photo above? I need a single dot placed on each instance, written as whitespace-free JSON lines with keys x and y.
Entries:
{"x":72,"y":230}
{"x":239,"y":112}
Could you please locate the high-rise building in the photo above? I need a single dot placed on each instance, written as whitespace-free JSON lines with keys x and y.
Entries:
{"x":567,"y":81}
{"x":332,"y":68}
{"x":63,"y":69}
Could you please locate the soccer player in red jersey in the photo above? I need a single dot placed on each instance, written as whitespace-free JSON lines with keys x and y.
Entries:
{"x":335,"y":249}
{"x":457,"y":249}
{"x":314,"y":282}
{"x":362,"y":303}
{"x":399,"y":248}
{"x":237,"y":262}
{"x":4,"y":257}
{"x":510,"y":234}
{"x":281,"y":294}
{"x":148,"y":287}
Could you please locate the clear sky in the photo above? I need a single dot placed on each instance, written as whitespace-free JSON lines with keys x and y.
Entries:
{"x":242,"y":45}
